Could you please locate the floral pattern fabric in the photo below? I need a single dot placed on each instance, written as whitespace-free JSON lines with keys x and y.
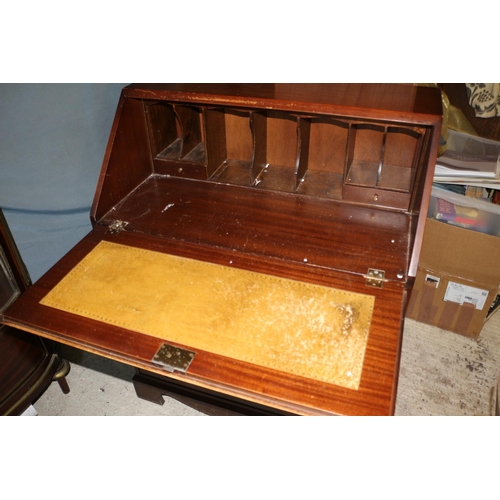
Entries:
{"x":484,"y":99}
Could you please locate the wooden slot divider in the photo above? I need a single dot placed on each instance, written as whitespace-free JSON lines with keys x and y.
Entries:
{"x":303,"y":139}
{"x":190,"y":128}
{"x":258,"y":125}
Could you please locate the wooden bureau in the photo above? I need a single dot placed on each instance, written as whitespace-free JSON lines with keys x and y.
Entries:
{"x":252,"y":245}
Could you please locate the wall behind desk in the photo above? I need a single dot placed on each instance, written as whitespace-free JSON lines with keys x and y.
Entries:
{"x":52,"y":143}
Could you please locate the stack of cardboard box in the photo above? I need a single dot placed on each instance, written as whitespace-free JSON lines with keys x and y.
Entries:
{"x":457,"y":286}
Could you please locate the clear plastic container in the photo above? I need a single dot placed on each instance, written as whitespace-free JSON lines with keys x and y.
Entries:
{"x":470,"y":213}
{"x":472,"y":145}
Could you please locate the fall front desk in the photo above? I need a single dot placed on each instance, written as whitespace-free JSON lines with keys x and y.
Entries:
{"x":252,"y":245}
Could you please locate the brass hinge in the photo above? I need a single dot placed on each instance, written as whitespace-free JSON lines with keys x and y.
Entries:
{"x":375,"y":278}
{"x":172,"y":358}
{"x":116,"y":226}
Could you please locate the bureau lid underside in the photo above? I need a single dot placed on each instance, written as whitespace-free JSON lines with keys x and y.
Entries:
{"x":302,"y":367}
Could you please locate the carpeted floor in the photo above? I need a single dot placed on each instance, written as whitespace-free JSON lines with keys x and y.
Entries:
{"x":441,"y":373}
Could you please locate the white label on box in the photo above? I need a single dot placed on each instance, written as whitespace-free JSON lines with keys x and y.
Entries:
{"x":455,"y":292}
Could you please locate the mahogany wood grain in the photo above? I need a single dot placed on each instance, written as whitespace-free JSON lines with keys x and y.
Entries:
{"x":327,"y":234}
{"x":387,"y":102}
{"x":239,"y":139}
{"x":328,"y":145}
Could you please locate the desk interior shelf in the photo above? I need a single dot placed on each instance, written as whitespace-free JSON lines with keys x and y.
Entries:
{"x":314,"y":155}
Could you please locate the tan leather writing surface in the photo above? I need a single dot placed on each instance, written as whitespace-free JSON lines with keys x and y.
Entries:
{"x":308,"y":330}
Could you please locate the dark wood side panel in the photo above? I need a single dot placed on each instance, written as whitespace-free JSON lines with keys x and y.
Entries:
{"x":127,"y":160}
{"x":422,"y":195}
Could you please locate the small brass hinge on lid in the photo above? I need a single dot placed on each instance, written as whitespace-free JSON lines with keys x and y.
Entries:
{"x":172,"y":358}
{"x":375,"y":278}
{"x":116,"y":226}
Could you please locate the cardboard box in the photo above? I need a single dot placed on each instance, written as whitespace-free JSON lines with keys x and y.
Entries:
{"x":458,"y":278}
